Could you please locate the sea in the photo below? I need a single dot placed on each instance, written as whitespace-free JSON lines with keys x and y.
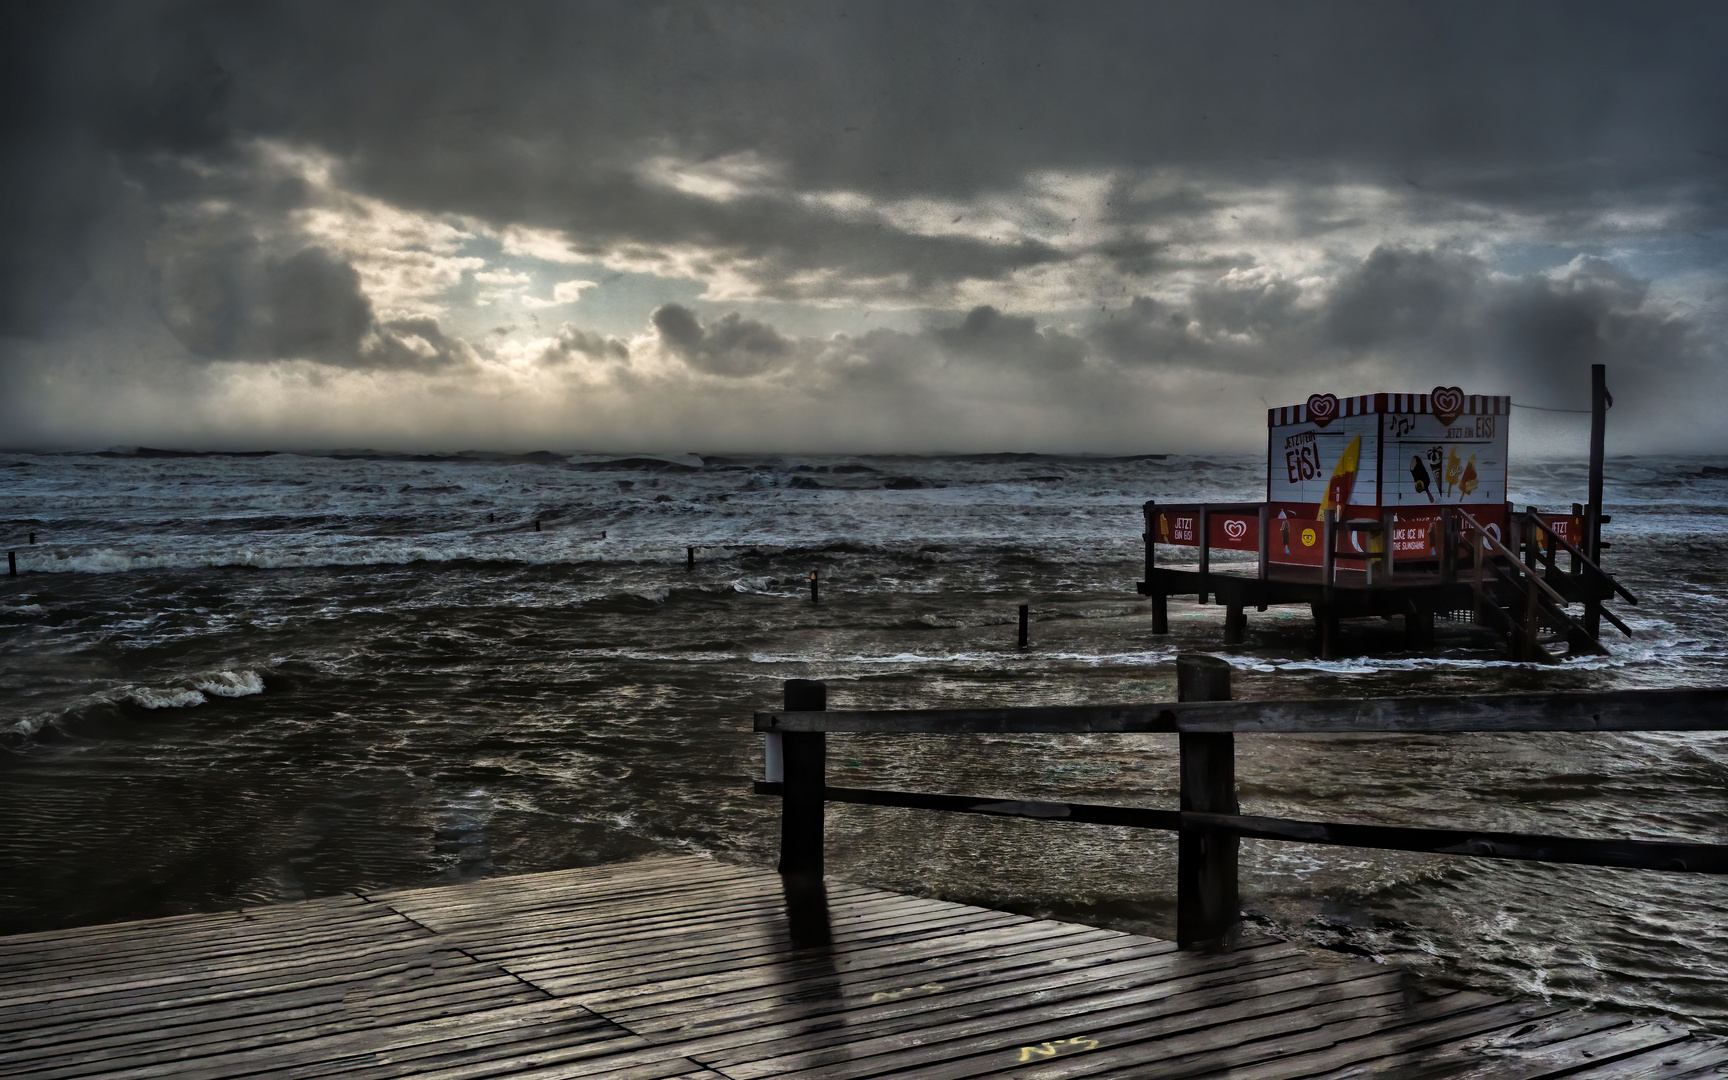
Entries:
{"x":238,"y":679}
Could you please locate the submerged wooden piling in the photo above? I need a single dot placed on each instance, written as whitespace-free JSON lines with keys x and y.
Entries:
{"x":689,"y":559}
{"x":1024,"y":611}
{"x":815,"y":597}
{"x":11,"y":564}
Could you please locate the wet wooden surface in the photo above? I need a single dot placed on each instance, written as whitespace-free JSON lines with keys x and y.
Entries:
{"x":684,"y":967}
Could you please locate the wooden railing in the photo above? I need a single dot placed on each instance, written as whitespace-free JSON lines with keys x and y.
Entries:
{"x":1208,"y":820}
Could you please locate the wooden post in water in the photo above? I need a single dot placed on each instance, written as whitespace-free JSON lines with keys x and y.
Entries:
{"x":815,"y":598}
{"x":1235,"y":622}
{"x":1532,"y":623}
{"x":1204,"y":521}
{"x":1477,"y":589}
{"x":689,"y":559}
{"x":1448,"y":546}
{"x":1592,"y":544}
{"x":1265,"y":546}
{"x":1024,"y":612}
{"x":11,"y":564}
{"x":1388,"y":543}
{"x":1160,"y":602}
{"x":1207,"y":906}
{"x":1328,"y":570}
{"x":804,"y":758}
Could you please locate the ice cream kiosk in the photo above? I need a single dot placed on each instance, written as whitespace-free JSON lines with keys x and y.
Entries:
{"x":1392,"y":504}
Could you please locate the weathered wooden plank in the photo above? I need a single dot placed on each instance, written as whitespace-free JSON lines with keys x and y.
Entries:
{"x":740,"y":965}
{"x":647,"y":959}
{"x":1121,"y":1033}
{"x":110,"y":1044}
{"x":145,"y":937}
{"x":245,"y":970}
{"x":768,"y":970}
{"x":895,"y":973}
{"x":888,"y":994}
{"x":1165,"y":1002}
{"x":1362,"y":1045}
{"x":688,"y":968}
{"x":1697,"y":1058}
{"x":95,"y":963}
{"x":593,"y":929}
{"x":1618,"y":710}
{"x":480,"y":909}
{"x":178,"y":992}
{"x":1004,"y":1003}
{"x":1421,"y":1051}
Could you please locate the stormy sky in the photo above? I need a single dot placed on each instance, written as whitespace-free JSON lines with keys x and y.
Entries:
{"x":852,"y":226}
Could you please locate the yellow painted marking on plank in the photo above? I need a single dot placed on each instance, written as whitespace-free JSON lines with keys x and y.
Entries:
{"x":905,"y":992}
{"x":1058,"y":1046}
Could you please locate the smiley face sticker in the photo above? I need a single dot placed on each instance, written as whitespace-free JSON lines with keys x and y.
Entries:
{"x":1308,"y":537}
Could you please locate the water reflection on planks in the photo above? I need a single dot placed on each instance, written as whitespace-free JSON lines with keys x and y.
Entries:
{"x":683,"y":967}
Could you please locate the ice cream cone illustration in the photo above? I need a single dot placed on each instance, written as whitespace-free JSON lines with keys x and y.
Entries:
{"x":1419,"y":475}
{"x":1343,"y":480}
{"x":1467,"y":482}
{"x":1453,"y":467}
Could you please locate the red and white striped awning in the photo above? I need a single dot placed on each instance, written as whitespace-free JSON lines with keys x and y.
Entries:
{"x":1326,"y":406}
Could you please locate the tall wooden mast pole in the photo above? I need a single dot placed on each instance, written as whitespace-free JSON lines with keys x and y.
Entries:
{"x":1593,"y":536}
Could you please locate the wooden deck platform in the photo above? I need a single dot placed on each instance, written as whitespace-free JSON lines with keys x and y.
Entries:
{"x":683,"y":967}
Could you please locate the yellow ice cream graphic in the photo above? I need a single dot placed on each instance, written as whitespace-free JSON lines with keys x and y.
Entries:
{"x":1343,"y":478}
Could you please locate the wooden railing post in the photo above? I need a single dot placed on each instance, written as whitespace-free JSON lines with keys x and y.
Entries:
{"x":1207,"y":905}
{"x":803,"y":756}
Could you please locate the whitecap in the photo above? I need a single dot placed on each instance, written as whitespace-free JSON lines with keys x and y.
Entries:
{"x":174,"y":698}
{"x":230,"y":683}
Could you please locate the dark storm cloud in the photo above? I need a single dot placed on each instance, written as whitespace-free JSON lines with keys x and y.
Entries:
{"x":731,"y":345}
{"x":543,"y":113}
{"x":238,"y":301}
{"x":572,"y":342}
{"x":1411,"y":318}
{"x":997,"y":339}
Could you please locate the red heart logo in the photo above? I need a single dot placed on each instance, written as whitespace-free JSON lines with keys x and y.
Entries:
{"x":1322,"y":408}
{"x":1446,"y":402}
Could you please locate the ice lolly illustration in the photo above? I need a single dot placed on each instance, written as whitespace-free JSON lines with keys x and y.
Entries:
{"x":1467,"y":482}
{"x":1343,"y":478}
{"x":1419,"y":474}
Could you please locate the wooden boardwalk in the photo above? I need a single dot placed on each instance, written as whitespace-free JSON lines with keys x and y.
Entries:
{"x":683,"y":967}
